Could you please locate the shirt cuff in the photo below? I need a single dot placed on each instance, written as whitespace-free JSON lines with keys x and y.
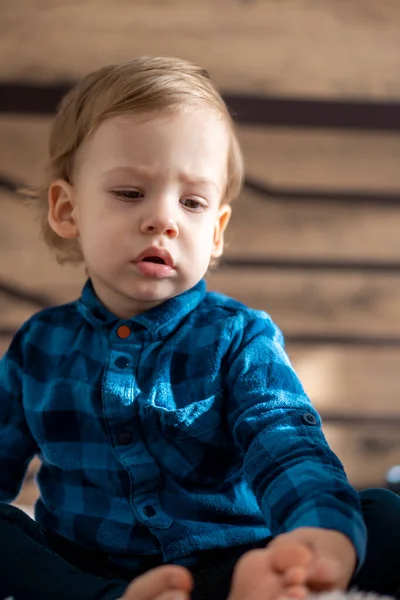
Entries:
{"x":350,"y":524}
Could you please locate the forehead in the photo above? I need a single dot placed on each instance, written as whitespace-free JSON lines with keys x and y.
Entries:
{"x":196,"y":139}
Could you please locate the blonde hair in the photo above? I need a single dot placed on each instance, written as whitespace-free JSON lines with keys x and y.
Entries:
{"x":145,"y":84}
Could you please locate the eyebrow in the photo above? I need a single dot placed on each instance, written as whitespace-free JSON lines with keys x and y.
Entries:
{"x":199,"y":180}
{"x":144,"y":172}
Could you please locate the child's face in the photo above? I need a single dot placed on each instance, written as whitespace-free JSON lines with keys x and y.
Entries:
{"x":147,"y":187}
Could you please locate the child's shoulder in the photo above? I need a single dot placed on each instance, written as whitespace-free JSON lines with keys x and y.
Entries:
{"x":59,"y":314}
{"x":56,"y":321}
{"x":228,"y":306}
{"x":229,"y":313}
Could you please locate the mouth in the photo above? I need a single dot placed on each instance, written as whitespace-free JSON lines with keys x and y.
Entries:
{"x":155,"y":263}
{"x":154,"y":259}
{"x":157,"y":256}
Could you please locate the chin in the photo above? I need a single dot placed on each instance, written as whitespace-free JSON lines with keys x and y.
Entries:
{"x":153,"y":292}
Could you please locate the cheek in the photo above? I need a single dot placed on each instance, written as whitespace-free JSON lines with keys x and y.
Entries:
{"x":98,"y":235}
{"x":202,"y":241}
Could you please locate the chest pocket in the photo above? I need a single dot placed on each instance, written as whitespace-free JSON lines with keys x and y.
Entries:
{"x":196,"y":420}
{"x":191,"y":443}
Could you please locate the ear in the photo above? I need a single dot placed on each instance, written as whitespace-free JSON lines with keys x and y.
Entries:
{"x":224,"y":214}
{"x":61,"y":214}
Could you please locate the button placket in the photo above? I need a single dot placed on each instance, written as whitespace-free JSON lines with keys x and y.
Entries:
{"x":127,"y":342}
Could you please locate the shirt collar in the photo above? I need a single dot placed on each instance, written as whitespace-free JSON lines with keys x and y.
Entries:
{"x":162,"y":317}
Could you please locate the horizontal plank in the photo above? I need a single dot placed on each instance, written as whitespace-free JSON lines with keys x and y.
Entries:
{"x":310,"y":264}
{"x":315,"y":302}
{"x":291,"y":159}
{"x":23,"y":148}
{"x":284,"y":157}
{"x":267,"y":228}
{"x":349,"y":379}
{"x":21,"y":98}
{"x":262,"y":46}
{"x":321,"y":159}
{"x":366,"y":453}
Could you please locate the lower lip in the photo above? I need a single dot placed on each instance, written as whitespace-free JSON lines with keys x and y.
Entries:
{"x":156,"y":270}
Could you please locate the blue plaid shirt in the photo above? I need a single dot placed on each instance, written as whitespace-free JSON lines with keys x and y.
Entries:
{"x":182,"y":429}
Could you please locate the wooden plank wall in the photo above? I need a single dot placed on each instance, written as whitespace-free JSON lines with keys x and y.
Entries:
{"x":295,"y":48}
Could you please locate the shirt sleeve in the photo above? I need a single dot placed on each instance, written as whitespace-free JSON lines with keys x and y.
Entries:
{"x":297,"y":479}
{"x":17,"y":445}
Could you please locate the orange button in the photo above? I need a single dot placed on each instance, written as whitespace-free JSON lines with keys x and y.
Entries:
{"x":123,"y":332}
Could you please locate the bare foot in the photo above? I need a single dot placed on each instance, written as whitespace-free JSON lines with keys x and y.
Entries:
{"x":169,"y":582}
{"x":276,"y":572}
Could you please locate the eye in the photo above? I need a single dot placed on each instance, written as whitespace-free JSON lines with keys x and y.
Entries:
{"x":192,"y":204}
{"x":127,"y":195}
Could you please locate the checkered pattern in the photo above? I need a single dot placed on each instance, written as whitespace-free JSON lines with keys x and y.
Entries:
{"x":190,"y":432}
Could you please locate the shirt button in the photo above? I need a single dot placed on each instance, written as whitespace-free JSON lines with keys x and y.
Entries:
{"x":125,"y":438}
{"x":121,"y":362}
{"x":309,"y":419}
{"x":123,"y":332}
{"x":149,"y":511}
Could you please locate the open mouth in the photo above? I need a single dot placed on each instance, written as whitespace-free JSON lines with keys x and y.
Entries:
{"x":155,"y":259}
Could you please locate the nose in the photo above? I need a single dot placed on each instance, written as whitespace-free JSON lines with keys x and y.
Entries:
{"x":160,"y":221}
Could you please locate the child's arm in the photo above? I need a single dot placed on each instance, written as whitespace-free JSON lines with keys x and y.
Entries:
{"x":17,"y":446}
{"x":297,"y":480}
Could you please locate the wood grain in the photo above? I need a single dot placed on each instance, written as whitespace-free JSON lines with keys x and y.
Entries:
{"x":292,"y":47}
{"x":332,"y":303}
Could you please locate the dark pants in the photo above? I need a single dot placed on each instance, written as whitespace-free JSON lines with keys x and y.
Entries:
{"x":36,"y":564}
